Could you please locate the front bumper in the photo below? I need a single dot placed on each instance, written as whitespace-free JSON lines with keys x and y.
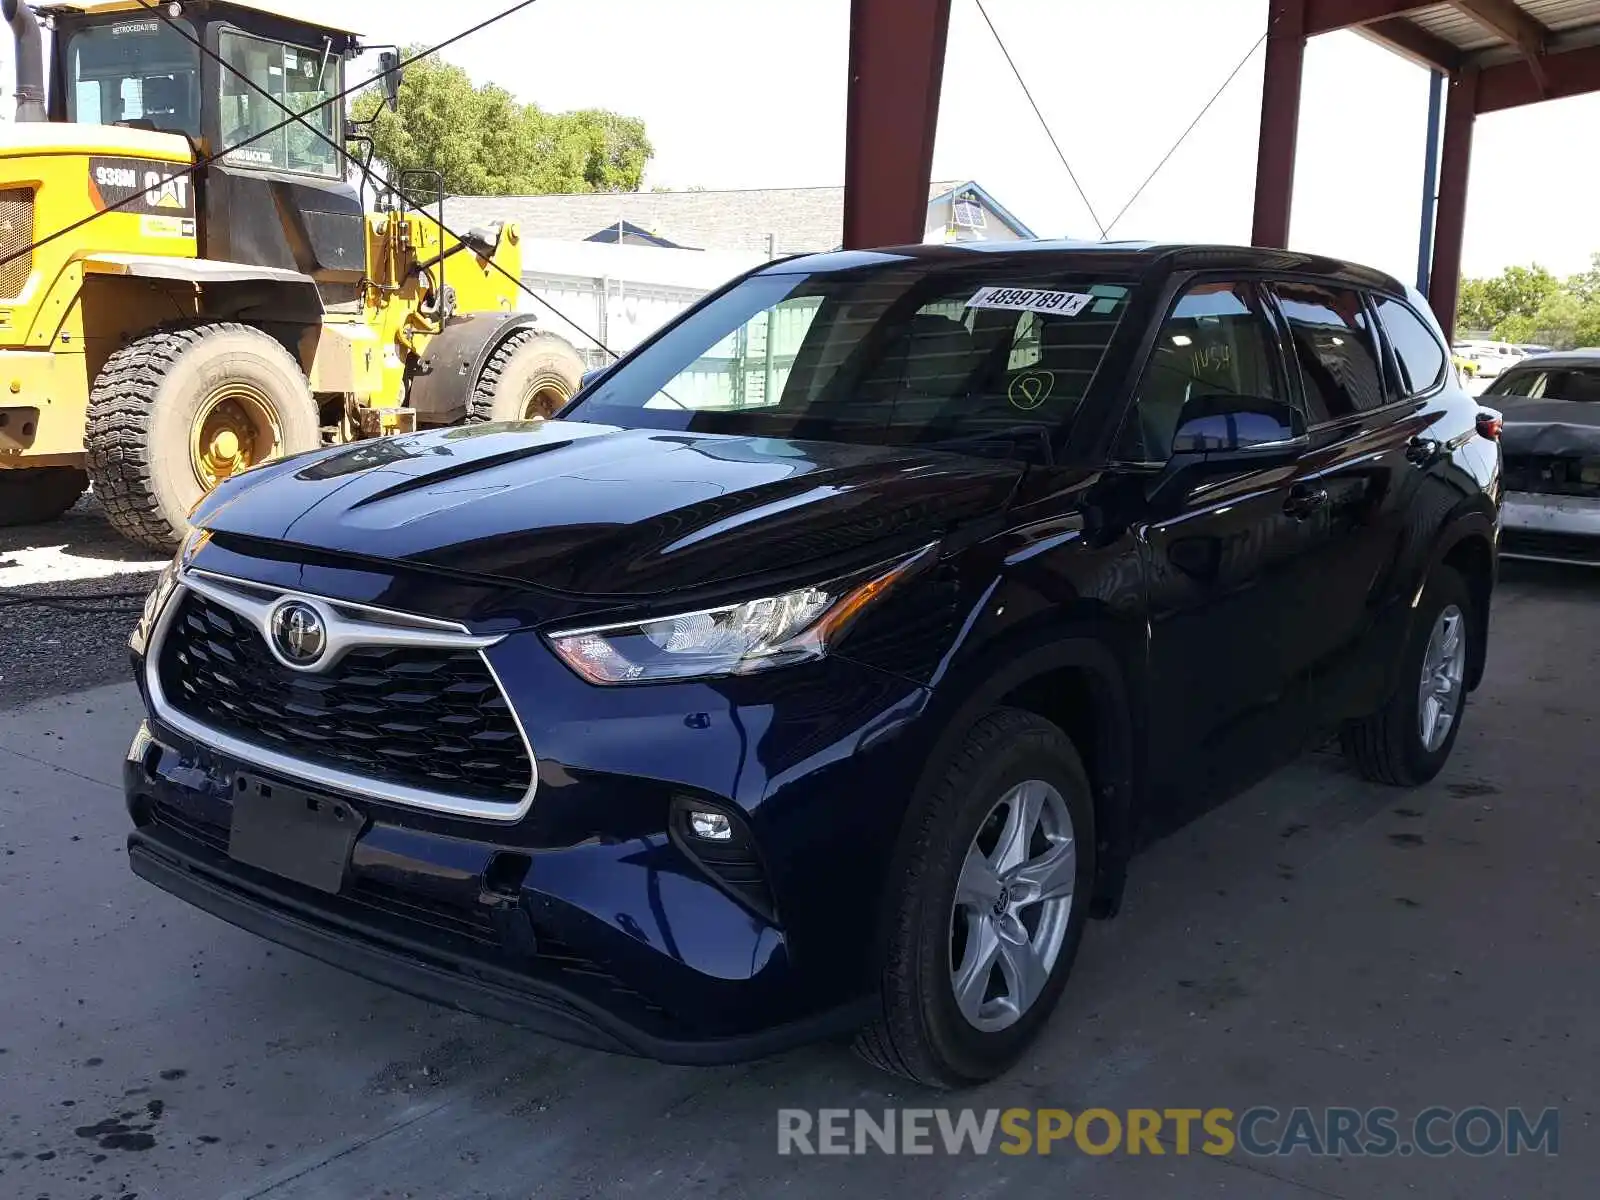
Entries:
{"x":621,"y":941}
{"x":430,"y":972}
{"x":1550,"y":528}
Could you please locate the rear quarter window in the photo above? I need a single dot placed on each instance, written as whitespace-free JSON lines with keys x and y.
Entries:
{"x":1421,"y":357}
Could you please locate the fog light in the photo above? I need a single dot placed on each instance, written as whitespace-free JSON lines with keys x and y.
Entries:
{"x":713,"y":826}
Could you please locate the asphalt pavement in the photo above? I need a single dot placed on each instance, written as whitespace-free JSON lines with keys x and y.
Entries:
{"x":1318,"y":941}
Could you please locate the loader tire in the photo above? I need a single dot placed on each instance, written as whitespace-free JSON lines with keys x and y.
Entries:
{"x":175,"y":412}
{"x":30,"y":495}
{"x":530,"y":376}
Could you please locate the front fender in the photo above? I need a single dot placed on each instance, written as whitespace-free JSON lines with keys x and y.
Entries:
{"x":1107,"y":732}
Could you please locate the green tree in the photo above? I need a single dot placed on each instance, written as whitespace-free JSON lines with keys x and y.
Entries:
{"x":1474,"y":307}
{"x":1586,"y":286}
{"x":1528,"y":304}
{"x":484,"y":142}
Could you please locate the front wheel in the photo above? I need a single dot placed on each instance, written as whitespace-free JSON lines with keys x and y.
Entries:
{"x":998,"y":869}
{"x":175,"y":413}
{"x":1406,"y":742}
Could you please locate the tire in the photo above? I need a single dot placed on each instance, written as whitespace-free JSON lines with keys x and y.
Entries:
{"x":530,"y":376}
{"x":923,"y":1033}
{"x":31,"y":495}
{"x":1388,"y":746}
{"x":156,"y":394}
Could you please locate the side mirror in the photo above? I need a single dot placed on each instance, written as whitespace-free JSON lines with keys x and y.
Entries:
{"x":1224,"y":428}
{"x":389,"y":65}
{"x":590,"y":378}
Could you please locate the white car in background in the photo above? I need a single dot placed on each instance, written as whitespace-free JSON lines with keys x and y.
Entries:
{"x":1490,"y":358}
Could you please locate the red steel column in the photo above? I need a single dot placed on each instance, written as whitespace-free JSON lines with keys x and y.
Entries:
{"x":1460,"y":111}
{"x":896,"y":66}
{"x":1280,"y":122}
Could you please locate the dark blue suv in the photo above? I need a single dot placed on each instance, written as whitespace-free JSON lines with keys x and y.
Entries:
{"x":819,"y":670}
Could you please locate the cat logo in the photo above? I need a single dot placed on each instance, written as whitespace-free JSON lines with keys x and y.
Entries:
{"x":166,"y":191}
{"x":141,"y":186}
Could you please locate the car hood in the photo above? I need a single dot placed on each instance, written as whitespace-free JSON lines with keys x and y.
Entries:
{"x":1548,"y":427}
{"x":597,"y":510}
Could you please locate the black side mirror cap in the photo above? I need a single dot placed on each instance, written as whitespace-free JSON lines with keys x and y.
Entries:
{"x":389,"y":65}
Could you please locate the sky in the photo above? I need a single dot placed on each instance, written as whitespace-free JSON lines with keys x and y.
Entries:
{"x":751,"y":93}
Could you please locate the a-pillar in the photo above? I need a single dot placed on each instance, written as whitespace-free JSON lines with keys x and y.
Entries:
{"x":1460,"y":111}
{"x":896,"y":66}
{"x":1280,"y":122}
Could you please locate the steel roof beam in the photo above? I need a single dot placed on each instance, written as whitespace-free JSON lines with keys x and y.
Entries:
{"x":1511,"y":85}
{"x":1414,"y":42}
{"x":1324,"y":16}
{"x":1507,"y":20}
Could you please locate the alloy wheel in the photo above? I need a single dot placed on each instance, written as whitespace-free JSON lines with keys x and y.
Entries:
{"x":1013,"y":902}
{"x":1444,"y":668}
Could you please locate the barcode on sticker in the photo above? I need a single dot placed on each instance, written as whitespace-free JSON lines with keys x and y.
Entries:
{"x":1068,"y":304}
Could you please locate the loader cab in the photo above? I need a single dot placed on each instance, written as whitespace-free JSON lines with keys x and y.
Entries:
{"x":278,"y":195}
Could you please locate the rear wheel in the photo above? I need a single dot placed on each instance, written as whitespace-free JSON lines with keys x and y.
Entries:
{"x":33,"y":494}
{"x":530,"y":375}
{"x":177,"y":412}
{"x":1407,"y":741}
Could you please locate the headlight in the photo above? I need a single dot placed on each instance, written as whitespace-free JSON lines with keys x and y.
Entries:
{"x":734,"y":639}
{"x":166,"y":583}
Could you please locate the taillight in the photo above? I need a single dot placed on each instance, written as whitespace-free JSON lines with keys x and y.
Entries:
{"x":1489,"y":423}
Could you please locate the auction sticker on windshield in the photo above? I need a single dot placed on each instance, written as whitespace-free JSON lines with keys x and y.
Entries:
{"x":1068,"y":304}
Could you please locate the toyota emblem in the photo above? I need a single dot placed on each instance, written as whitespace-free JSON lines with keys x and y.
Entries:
{"x":299,"y":634}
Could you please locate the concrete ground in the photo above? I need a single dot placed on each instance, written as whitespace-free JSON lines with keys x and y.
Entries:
{"x":1318,"y":941}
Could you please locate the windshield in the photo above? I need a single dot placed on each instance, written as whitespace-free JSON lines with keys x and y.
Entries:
{"x":142,"y":73}
{"x":1549,"y":383}
{"x":900,"y":355}
{"x":287,"y":76}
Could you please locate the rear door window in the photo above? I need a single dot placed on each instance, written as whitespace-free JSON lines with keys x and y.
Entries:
{"x":1421,"y":357}
{"x":1333,"y":343}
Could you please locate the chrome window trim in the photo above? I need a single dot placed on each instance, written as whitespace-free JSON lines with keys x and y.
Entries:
{"x":395,"y":629}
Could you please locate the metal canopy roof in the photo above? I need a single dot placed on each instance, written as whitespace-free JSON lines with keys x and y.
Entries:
{"x":1524,"y":50}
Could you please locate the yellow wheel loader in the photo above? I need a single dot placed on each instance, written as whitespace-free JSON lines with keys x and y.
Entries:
{"x":190,"y":286}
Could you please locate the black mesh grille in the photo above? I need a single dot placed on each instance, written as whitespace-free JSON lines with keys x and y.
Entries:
{"x":16,"y":238}
{"x":425,"y":718}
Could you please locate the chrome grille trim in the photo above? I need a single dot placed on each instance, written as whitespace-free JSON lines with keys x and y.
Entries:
{"x":359,"y":625}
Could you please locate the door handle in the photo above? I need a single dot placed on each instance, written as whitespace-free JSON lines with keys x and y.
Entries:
{"x":1304,"y":500}
{"x":1423,"y":451}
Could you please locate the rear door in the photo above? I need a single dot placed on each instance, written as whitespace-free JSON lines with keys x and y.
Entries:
{"x":1364,"y":467}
